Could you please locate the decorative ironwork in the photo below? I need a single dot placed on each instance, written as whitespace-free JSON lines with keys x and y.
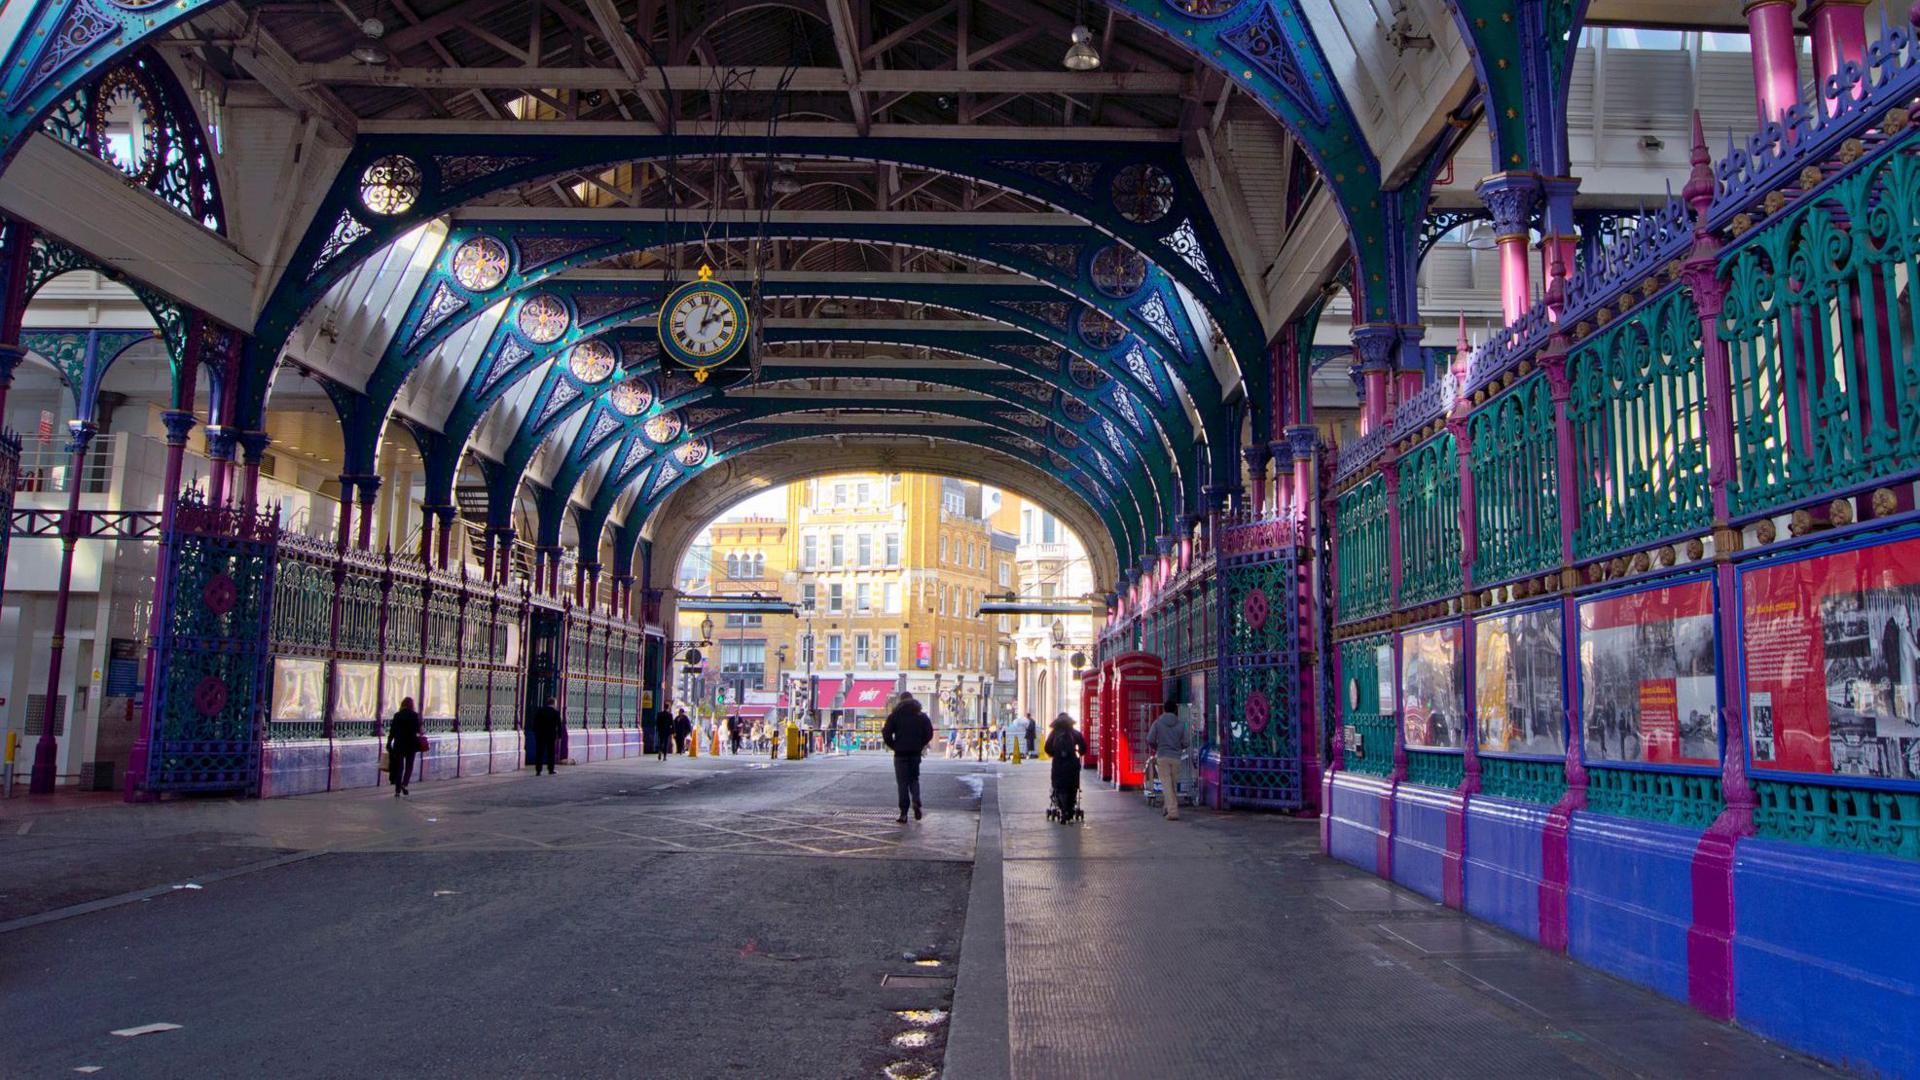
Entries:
{"x":667,"y":475}
{"x":1429,"y":515}
{"x":481,"y":263}
{"x":1516,"y":468}
{"x":543,"y":319}
{"x":564,"y":394}
{"x":1099,"y":330}
{"x":1185,"y":243}
{"x":1436,"y":770}
{"x":345,"y":233}
{"x":632,"y":397}
{"x":1366,"y":664}
{"x":593,"y":307}
{"x":1061,"y":258}
{"x":691,"y":453}
{"x":441,"y":306}
{"x":459,"y":170}
{"x":1052,"y":313}
{"x":212,"y":651}
{"x":1142,"y":371}
{"x":510,"y":357}
{"x":1123,"y":404}
{"x":137,"y":119}
{"x":1264,"y":43}
{"x":663,"y":428}
{"x":603,"y":425}
{"x":1639,"y":428}
{"x":1119,"y":271}
{"x":1846,"y":819}
{"x":1113,"y":436}
{"x":1366,"y":583}
{"x":1671,"y":798}
{"x":1075,"y":176}
{"x":80,"y":27}
{"x":637,"y":452}
{"x":1154,"y":310}
{"x":539,"y":251}
{"x":1143,"y":194}
{"x":1523,"y":779}
{"x":591,"y":362}
{"x":390,"y":185}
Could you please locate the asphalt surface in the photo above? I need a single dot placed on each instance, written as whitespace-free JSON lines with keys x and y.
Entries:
{"x":718,"y":917}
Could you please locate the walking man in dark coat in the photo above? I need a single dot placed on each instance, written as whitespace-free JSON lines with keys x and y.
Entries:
{"x":662,"y":733}
{"x":544,"y":730}
{"x":907,"y":733}
{"x":682,"y":727}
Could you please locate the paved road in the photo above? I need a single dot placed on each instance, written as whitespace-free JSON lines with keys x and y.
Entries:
{"x":732,"y":918}
{"x":647,"y":919}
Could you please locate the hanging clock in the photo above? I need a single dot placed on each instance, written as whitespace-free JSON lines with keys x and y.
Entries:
{"x":703,"y":324}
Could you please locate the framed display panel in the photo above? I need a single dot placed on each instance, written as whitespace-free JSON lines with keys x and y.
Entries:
{"x":403,"y":681}
{"x":1519,"y":686}
{"x":299,"y":690}
{"x":1433,"y":712}
{"x":1649,"y":677}
{"x":356,"y":692}
{"x":439,"y":693}
{"x":1830,"y":657}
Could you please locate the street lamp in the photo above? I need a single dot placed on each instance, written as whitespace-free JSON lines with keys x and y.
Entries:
{"x":706,"y":630}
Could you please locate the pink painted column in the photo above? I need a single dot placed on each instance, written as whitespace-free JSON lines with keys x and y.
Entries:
{"x":1510,"y":197}
{"x":46,"y":749}
{"x":1776,"y":70}
{"x":1839,"y":29}
{"x":179,"y":423}
{"x":1256,"y":457}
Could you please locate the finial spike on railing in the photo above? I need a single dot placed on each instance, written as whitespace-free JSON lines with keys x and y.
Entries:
{"x":1699,"y":189}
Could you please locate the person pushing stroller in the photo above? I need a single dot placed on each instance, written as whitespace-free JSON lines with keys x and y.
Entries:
{"x":1065,"y":746}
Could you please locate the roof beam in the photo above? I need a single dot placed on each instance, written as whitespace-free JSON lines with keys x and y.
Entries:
{"x":846,"y":42}
{"x":633,"y":64}
{"x":788,"y":129}
{"x":917,"y":26}
{"x":902,"y":218}
{"x":809,"y":80}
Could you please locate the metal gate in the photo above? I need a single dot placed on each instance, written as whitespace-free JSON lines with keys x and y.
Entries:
{"x":211,"y":659}
{"x":1260,"y":660}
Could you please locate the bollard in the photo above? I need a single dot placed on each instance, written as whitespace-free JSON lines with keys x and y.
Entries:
{"x":795,"y":751}
{"x":1016,"y":752}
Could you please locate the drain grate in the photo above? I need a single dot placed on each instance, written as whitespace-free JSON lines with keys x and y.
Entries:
{"x":918,"y":982}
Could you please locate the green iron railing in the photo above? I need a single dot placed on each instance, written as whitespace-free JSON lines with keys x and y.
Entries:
{"x":1430,"y":521}
{"x":1365,"y":580}
{"x":1523,"y":779}
{"x":1683,"y":799}
{"x":1434,"y":769}
{"x":1848,"y":819}
{"x":1818,"y":324}
{"x":1639,"y":427}
{"x":1515,"y":484}
{"x":1360,"y":707}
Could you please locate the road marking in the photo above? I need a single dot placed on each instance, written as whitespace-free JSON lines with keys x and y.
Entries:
{"x":24,"y":827}
{"x":140,"y":895}
{"x":144,"y":1029}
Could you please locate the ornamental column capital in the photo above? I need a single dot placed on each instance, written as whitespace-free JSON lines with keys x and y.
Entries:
{"x":1510,"y":197}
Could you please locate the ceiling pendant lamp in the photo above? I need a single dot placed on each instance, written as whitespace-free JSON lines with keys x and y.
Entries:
{"x":1081,"y":55}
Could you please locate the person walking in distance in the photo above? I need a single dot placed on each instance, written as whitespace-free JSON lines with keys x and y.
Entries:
{"x":1033,"y":733}
{"x":662,"y":733}
{"x":403,"y":741}
{"x":1166,"y":741}
{"x":682,"y":727}
{"x":543,"y":729}
{"x":907,"y":733}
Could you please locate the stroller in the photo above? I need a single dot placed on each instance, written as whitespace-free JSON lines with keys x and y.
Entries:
{"x":1064,"y":806}
{"x":1187,"y":790}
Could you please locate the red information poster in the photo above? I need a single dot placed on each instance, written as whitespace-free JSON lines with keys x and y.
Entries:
{"x":1647,"y":676}
{"x":1833,"y":662}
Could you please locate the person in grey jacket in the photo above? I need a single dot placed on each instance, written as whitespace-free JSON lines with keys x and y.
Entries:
{"x":1166,"y":741}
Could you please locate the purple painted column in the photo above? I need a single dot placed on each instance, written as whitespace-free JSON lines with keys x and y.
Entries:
{"x":1256,"y":458}
{"x":45,"y":750}
{"x":1559,"y":239}
{"x":1555,"y":871}
{"x":445,"y":513}
{"x":426,"y":537}
{"x":220,"y":444}
{"x":1776,"y":69}
{"x":343,"y":536}
{"x":253,"y":447}
{"x":179,"y":423}
{"x":369,"y":491}
{"x":1710,"y":938}
{"x":1839,"y":29}
{"x":1510,"y":198}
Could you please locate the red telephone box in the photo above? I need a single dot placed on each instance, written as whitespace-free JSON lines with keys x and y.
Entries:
{"x":1137,"y":694}
{"x":1090,"y":716}
{"x":1104,"y":739}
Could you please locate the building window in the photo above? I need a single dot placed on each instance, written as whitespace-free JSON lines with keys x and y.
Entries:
{"x":1026,"y":525}
{"x":833,"y":650}
{"x":738,"y":619}
{"x":890,"y":650}
{"x":806,"y":649}
{"x":839,"y":494}
{"x":809,"y":552}
{"x":943,"y":599}
{"x":941,"y":659}
{"x":1047,"y":526}
{"x":834,"y":596}
{"x":863,"y":550}
{"x":807,"y":594}
{"x":890,"y":597}
{"x":862,"y":646}
{"x":893,"y":549}
{"x":943,"y":548}
{"x":863,"y":597}
{"x":953,"y":502}
{"x":836,"y":550}
{"x":1006,"y":573}
{"x":863,"y":494}
{"x":1004,"y":628}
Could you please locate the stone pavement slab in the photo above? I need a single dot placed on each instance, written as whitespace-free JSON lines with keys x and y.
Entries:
{"x":1225,"y":946}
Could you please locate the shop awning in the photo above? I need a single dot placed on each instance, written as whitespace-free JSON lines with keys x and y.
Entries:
{"x":869,"y":694}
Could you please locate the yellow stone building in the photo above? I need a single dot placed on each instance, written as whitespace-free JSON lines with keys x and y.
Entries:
{"x":888,"y":571}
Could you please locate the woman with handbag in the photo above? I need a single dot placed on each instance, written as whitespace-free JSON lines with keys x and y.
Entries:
{"x":404,"y":739}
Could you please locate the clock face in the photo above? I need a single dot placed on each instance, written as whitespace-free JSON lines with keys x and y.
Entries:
{"x":703,"y":323}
